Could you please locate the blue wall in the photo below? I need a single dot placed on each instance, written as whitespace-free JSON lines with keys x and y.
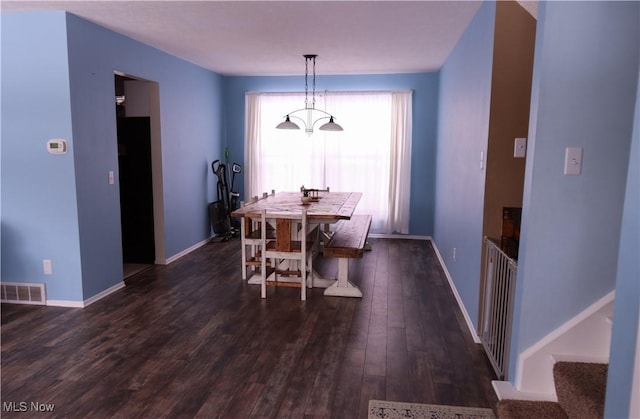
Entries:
{"x":463,"y":130}
{"x":584,"y":93}
{"x":626,"y":314}
{"x":78,"y":104}
{"x":425,"y":110}
{"x":39,"y":207}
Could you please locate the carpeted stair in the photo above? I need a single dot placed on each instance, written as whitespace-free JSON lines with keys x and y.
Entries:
{"x":580,"y":387}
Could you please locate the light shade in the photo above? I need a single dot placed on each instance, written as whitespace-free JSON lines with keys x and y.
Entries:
{"x":287,"y":124}
{"x":329,"y":126}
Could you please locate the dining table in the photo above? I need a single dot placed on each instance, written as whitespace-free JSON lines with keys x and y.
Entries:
{"x":323,"y":209}
{"x":327,"y":208}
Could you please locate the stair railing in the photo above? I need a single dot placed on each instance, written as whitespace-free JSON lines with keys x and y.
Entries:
{"x":497,"y":306}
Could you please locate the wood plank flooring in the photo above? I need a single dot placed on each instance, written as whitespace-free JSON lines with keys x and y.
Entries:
{"x":191,"y":339}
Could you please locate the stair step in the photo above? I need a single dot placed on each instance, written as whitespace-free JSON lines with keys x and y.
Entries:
{"x":528,"y":409}
{"x":581,"y":388}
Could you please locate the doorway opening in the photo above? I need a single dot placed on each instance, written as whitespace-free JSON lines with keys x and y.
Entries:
{"x":137,"y":115}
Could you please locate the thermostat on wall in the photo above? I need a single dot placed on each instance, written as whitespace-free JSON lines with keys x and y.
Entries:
{"x":57,"y":146}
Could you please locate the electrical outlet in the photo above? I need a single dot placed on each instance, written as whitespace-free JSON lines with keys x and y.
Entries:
{"x":46,"y":265}
{"x":453,"y":254}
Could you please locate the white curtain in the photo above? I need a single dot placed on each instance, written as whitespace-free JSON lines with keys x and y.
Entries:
{"x":372,"y":155}
{"x":252,"y":148}
{"x":400,"y":173}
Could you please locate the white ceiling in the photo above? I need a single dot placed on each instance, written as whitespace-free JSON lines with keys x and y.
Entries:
{"x":269,"y":37}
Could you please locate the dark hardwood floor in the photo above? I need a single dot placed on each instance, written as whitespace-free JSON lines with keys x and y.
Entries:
{"x":191,"y":339}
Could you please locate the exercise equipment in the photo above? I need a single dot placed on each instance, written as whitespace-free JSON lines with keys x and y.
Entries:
{"x":223,"y":225}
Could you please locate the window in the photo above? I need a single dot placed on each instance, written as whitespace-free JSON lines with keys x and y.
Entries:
{"x":372,"y":154}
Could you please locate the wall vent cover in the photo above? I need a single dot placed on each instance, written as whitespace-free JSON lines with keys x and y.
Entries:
{"x":22,"y":293}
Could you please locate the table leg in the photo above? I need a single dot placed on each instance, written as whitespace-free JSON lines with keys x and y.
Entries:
{"x":342,"y":287}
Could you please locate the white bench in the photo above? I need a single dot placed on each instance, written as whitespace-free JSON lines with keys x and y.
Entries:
{"x":348,"y":241}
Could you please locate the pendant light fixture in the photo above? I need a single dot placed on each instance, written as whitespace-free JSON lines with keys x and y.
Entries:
{"x":309,"y":115}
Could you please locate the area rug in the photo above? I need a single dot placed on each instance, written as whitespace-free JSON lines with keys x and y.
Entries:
{"x":393,"y":410}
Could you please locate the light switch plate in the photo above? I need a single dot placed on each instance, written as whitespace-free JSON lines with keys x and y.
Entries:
{"x":573,"y":161}
{"x":520,"y":148}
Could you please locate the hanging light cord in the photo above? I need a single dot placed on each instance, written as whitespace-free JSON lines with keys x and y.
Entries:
{"x":306,"y":82}
{"x":313,"y":97}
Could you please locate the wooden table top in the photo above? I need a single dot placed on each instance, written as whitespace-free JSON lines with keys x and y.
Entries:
{"x":330,"y":206}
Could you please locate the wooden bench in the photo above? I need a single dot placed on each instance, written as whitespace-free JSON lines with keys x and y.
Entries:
{"x":349,"y":241}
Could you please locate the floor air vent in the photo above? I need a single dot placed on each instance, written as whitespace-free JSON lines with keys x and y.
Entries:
{"x":22,"y":293}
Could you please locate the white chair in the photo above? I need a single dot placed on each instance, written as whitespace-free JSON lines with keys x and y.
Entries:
{"x":250,"y":236}
{"x":291,"y":251}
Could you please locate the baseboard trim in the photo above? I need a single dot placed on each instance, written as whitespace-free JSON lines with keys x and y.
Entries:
{"x":183,"y":253}
{"x":104,"y":293}
{"x":65,"y":303}
{"x":506,"y":391}
{"x":579,"y":358}
{"x":399,"y":236}
{"x":467,"y":318}
{"x":88,"y":301}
